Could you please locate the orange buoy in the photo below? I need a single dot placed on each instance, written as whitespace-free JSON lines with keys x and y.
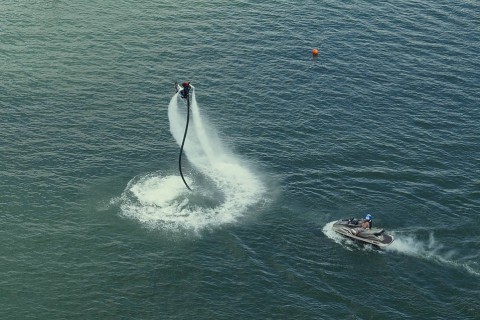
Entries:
{"x":315,"y":52}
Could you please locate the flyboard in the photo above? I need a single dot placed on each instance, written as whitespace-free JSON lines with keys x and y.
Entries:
{"x":352,"y":228}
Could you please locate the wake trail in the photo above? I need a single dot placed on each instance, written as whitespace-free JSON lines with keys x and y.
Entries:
{"x":409,"y":245}
{"x":431,"y":250}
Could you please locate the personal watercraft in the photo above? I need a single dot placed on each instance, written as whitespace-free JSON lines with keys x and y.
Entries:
{"x":352,"y":228}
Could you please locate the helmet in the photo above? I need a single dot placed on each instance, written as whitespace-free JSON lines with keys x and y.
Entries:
{"x":368,"y":217}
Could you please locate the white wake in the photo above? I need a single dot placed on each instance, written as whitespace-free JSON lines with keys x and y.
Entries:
{"x":408,"y":244}
{"x":431,"y":250}
{"x":224,"y":187}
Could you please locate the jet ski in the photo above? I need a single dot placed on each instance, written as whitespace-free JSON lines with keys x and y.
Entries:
{"x":352,"y":228}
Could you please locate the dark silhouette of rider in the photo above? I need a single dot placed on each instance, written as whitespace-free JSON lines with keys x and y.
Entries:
{"x":186,"y":89}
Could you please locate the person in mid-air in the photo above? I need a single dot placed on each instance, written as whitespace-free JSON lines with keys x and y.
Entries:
{"x":185,"y":90}
{"x":367,"y":222}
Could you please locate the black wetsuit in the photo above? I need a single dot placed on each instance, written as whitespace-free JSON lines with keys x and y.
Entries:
{"x":186,"y":89}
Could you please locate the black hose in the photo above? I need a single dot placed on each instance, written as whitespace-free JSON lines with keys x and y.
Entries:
{"x":183,"y":142}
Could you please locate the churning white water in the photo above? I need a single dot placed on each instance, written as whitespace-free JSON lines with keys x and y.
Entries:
{"x":223,"y":185}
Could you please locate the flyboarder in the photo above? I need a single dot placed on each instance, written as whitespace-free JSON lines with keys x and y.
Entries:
{"x":185,"y":89}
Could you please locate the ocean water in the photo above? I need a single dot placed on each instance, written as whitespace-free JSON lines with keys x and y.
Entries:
{"x":96,"y":222}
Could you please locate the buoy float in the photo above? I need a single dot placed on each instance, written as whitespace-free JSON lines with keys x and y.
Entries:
{"x":315,"y":52}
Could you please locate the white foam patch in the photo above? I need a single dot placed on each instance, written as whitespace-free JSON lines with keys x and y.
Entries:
{"x":224,"y":187}
{"x":430,"y":250}
{"x":157,"y":191}
{"x":328,"y":231}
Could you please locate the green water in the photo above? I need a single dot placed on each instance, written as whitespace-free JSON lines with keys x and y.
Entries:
{"x":96,"y":224}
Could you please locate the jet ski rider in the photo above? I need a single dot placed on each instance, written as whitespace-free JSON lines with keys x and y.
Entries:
{"x":367,"y":222}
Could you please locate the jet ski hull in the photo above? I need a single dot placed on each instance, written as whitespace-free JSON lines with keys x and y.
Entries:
{"x":351,"y":228}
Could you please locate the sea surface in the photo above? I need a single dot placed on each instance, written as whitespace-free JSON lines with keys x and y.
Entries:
{"x":96,"y":223}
